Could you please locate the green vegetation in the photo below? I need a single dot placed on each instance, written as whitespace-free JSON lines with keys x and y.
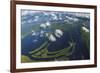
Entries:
{"x":43,"y":52}
{"x":38,"y":49}
{"x":25,"y":59}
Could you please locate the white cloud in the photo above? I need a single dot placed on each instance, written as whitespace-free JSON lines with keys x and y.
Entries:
{"x":48,"y":23}
{"x":36,"y":18}
{"x":42,"y":32}
{"x":54,"y":16}
{"x":33,"y":33}
{"x":35,"y":40}
{"x":85,"y":29}
{"x":25,"y":12}
{"x":43,"y":26}
{"x":52,"y":38}
{"x":58,"y":33}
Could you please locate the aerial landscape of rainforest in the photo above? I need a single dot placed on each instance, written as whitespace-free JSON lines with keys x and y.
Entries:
{"x":54,"y":36}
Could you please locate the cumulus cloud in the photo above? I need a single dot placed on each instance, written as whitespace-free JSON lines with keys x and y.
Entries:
{"x":58,"y":33}
{"x":52,"y":38}
{"x":48,"y":23}
{"x":33,"y":33}
{"x":43,"y":26}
